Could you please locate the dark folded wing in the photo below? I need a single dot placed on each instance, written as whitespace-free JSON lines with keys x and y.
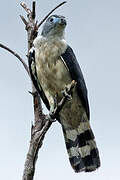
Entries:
{"x":76,"y":74}
{"x":33,"y":73}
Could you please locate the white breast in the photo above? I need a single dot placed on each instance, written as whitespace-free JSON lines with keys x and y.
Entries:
{"x":51,"y":69}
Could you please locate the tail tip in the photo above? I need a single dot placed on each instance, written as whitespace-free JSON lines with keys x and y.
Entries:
{"x":87,"y":164}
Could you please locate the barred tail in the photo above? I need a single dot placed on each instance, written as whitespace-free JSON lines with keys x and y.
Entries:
{"x":81,"y":148}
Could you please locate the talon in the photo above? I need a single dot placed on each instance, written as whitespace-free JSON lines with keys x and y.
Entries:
{"x":66,"y":94}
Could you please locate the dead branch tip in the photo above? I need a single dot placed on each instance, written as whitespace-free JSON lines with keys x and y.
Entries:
{"x":33,"y":10}
{"x":25,"y":7}
{"x":24,"y":20}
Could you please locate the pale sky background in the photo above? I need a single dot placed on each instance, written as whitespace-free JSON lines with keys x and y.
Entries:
{"x":93,"y":31}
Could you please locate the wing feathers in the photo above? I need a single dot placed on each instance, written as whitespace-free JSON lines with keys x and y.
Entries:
{"x":33,"y":73}
{"x":76,"y":74}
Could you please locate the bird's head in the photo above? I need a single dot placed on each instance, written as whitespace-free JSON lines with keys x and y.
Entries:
{"x":54,"y":26}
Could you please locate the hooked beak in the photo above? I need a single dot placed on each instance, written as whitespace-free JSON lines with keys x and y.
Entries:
{"x":63,"y":21}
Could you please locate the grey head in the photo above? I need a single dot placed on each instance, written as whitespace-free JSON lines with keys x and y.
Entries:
{"x":54,"y":26}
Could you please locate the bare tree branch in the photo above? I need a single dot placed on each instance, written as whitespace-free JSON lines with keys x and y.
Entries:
{"x":16,"y":55}
{"x":51,"y":13}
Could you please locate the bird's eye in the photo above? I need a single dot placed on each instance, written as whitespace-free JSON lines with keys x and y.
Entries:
{"x":51,"y":19}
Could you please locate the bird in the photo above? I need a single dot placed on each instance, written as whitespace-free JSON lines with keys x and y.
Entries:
{"x":53,"y":65}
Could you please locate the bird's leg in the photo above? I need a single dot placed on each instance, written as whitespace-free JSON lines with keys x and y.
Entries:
{"x":53,"y":101}
{"x":53,"y":107}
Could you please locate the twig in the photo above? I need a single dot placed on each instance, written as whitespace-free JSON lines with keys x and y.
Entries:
{"x":16,"y":55}
{"x":24,"y":20}
{"x":51,"y":13}
{"x":33,"y":10}
{"x":24,"y":5}
{"x":30,"y":25}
